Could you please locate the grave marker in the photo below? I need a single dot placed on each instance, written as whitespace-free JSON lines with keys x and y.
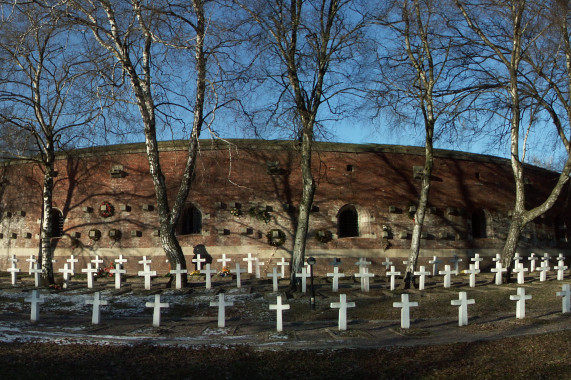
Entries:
{"x":238,"y":272}
{"x":283,"y":264}
{"x":387,"y":263}
{"x":498,"y":258}
{"x":362,"y":264}
{"x":336,"y":262}
{"x":198,"y":260}
{"x":258,"y":264}
{"x":146,"y":264}
{"x":447,"y":272}
{"x":434,"y":263}
{"x":224,"y":260}
{"x":37,"y":273}
{"x":543,"y":271}
{"x":147,"y":273}
{"x":157,"y":305}
{"x":97,"y":261}
{"x":456,"y":260}
{"x":517,"y":259}
{"x":96,"y":312}
{"x":476,"y":259}
{"x":546,"y":258}
{"x":304,"y":276}
{"x":532,"y":259}
{"x":35,"y":299}
{"x":13,"y":270}
{"x":520,"y":297}
{"x":392,"y":275}
{"x":279,"y":308}
{"x":72,"y":260}
{"x":222,"y":309}
{"x":405,"y":306}
{"x":560,"y":270}
{"x":250,"y":261}
{"x":365,"y":276}
{"x":32,"y":261}
{"x":462,"y":302}
{"x":66,"y":274}
{"x":336,"y":276}
{"x":90,"y":272}
{"x":520,"y":270}
{"x":178,"y":275}
{"x":342,"y":305}
{"x":498,"y":270}
{"x":274,"y":276}
{"x":208,"y":273}
{"x":473,"y":271}
{"x":566,"y":300}
{"x":422,"y":273}
{"x":120,"y":260}
{"x":117,"y":272}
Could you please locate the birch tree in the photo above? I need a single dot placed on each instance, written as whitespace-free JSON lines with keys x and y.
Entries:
{"x":139,"y":35}
{"x":305,"y":43}
{"x":47,"y":102}
{"x":509,"y":31}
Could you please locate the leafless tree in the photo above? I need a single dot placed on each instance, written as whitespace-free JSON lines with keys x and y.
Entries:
{"x":46,"y":98}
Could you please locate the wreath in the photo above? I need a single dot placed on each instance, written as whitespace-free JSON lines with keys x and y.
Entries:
{"x":278,"y":240}
{"x":323,"y":236}
{"x":235,"y":211}
{"x":260,"y":214}
{"x":106,"y":210}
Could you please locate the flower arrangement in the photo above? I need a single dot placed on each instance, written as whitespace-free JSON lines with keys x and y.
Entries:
{"x":224,"y":272}
{"x":234,"y":211}
{"x":276,"y":237}
{"x":195,"y":273}
{"x":106,"y":209}
{"x":323,"y":236}
{"x":260,"y":214}
{"x":105,"y":271}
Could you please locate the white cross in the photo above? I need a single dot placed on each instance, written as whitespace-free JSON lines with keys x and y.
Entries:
{"x":342,"y":305}
{"x":32,"y":261}
{"x":250,"y":261}
{"x":497,"y":258}
{"x":498,"y":271}
{"x":546,"y":258}
{"x":405,"y":311}
{"x":146,"y":262}
{"x":258,"y":264}
{"x":117,"y":272}
{"x":279,"y":308}
{"x":198,"y":261}
{"x":422,"y":273}
{"x":208,"y":273}
{"x":517,"y":259}
{"x":456,"y":260}
{"x":533,"y":259}
{"x":90,"y":272}
{"x":463,"y":303}
{"x":304,"y":276}
{"x":520,"y":270}
{"x":72,"y":260}
{"x":434,"y":263}
{"x":447,"y":272}
{"x":473,"y":271}
{"x":543,"y":269}
{"x":476,"y":259}
{"x":362,"y":264}
{"x":365,"y":276}
{"x":224,"y":260}
{"x":392,"y":275}
{"x":566,"y":300}
{"x":97,"y":261}
{"x":37,"y":272}
{"x":147,"y":273}
{"x":66,"y":274}
{"x":13,"y":270}
{"x":35,"y":299}
{"x":561,"y":257}
{"x":387,"y":263}
{"x":238,"y":272}
{"x":120,"y":260}
{"x":520,"y":297}
{"x":335,"y":262}
{"x":178,"y":275}
{"x":560,"y":270}
{"x":274,"y":276}
{"x":336,"y":275}
{"x":96,"y":302}
{"x":221,"y":309}
{"x":283,"y":263}
{"x":157,"y":305}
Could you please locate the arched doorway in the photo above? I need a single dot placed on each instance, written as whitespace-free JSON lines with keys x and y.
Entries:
{"x":190,"y":221}
{"x":348,"y":222}
{"x":479,"y":230}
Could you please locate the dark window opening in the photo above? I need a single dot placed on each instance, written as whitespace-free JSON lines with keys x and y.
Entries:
{"x":348,"y":222}
{"x":190,"y":221}
{"x":479,"y":224}
{"x":477,"y":175}
{"x":57,"y":223}
{"x":349,"y":168}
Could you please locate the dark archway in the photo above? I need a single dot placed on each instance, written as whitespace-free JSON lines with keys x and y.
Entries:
{"x":479,"y":224}
{"x":57,"y":223}
{"x":190,"y":221}
{"x":347,"y":222}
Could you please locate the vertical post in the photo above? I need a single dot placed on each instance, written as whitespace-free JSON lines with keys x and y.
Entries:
{"x":311,"y":262}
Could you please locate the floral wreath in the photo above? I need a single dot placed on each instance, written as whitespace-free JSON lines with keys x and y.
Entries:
{"x":109,"y":210}
{"x":276,"y":241}
{"x":323,"y":236}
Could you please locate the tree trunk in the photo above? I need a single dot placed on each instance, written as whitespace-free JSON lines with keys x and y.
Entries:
{"x":510,"y":246}
{"x":46,"y":255}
